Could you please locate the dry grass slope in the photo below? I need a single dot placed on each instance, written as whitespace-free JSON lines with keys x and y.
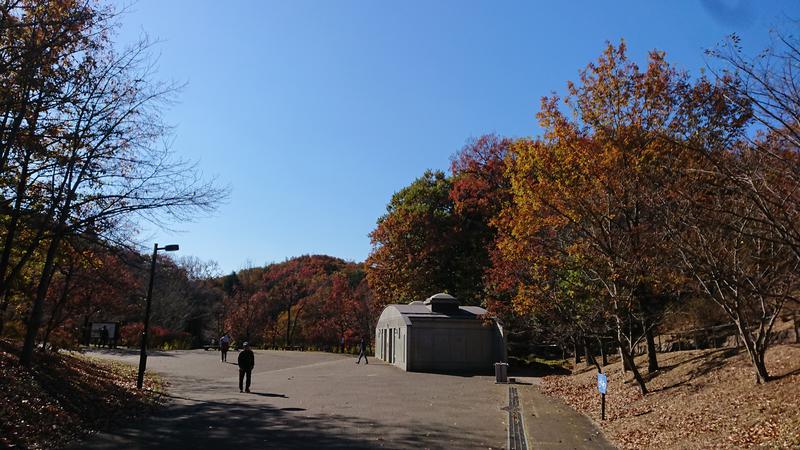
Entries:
{"x":699,"y":399}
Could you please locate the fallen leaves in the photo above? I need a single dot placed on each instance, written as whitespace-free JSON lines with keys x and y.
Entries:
{"x":63,"y":398}
{"x":700,"y":399}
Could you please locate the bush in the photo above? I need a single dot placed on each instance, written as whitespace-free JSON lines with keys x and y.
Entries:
{"x":158,"y":337}
{"x":538,"y":365}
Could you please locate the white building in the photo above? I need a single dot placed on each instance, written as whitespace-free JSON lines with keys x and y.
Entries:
{"x":439,"y":335}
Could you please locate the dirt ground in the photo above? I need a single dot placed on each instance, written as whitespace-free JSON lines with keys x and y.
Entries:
{"x":699,"y":399}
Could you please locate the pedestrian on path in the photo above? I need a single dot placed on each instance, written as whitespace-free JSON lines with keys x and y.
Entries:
{"x":104,"y":337}
{"x":224,"y":344}
{"x":246,"y":363}
{"x":362,"y":351}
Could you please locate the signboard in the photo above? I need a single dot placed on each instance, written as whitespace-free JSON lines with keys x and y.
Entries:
{"x":103,"y":334}
{"x":97,"y":329}
{"x":601,"y":383}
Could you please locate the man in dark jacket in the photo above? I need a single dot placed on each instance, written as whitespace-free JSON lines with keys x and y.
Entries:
{"x":362,"y":351}
{"x":246,"y":363}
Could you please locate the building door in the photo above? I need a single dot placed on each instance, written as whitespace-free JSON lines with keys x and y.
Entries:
{"x":391,"y":345}
{"x":383,"y":346}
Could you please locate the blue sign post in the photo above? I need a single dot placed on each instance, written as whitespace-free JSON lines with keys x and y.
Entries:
{"x":602,"y":384}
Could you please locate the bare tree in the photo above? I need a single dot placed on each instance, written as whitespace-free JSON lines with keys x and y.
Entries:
{"x":731,"y":254}
{"x":769,"y":83}
{"x":107,"y":163}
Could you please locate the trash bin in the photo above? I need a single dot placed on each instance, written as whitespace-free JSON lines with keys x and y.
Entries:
{"x":501,"y":372}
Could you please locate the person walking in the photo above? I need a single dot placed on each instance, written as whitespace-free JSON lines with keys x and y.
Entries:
{"x":246,"y":363}
{"x":362,"y":351}
{"x":104,"y":337}
{"x":224,"y":344}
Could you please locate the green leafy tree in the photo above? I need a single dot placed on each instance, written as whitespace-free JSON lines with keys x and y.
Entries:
{"x":413,"y":254}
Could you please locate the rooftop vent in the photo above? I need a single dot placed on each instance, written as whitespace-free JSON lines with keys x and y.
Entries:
{"x":442,"y":303}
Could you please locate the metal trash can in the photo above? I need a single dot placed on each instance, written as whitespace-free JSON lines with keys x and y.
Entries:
{"x":501,"y":372}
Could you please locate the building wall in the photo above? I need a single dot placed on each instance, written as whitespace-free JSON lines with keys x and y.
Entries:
{"x":450,"y":345}
{"x":438,"y":344}
{"x":391,"y":344}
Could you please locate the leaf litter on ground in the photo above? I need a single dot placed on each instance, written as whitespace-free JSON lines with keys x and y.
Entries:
{"x":65,"y":397}
{"x":699,"y":399}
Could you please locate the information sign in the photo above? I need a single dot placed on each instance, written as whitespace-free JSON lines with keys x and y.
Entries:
{"x":601,"y":383}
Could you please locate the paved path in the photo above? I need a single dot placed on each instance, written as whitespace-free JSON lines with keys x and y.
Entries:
{"x":311,"y":400}
{"x":552,"y":424}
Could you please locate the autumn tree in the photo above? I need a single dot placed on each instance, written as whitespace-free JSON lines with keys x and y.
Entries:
{"x":90,"y":161}
{"x":297,"y":285}
{"x":480,"y":190}
{"x":412,"y":249}
{"x":769,"y":85}
{"x":731,"y":255}
{"x":90,"y":281}
{"x":41,"y":48}
{"x":437,"y":233}
{"x":592,"y":194}
{"x":737,"y":234}
{"x":343,"y":311}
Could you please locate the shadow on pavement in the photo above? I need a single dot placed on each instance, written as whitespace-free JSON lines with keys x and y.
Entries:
{"x":124,"y":351}
{"x":238,"y":424}
{"x":267,"y":394}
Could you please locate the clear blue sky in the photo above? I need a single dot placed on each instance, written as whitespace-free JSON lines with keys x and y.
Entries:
{"x":316,"y":112}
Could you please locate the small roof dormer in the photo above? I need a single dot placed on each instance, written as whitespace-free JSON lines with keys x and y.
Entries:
{"x":442,"y":303}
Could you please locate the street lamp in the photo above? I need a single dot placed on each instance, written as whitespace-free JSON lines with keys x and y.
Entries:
{"x":143,"y":353}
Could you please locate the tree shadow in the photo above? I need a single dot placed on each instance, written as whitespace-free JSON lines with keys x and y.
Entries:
{"x":710,"y":362}
{"x":124,"y":351}
{"x":236,"y":424}
{"x":785,"y":375}
{"x":525,"y":368}
{"x":456,"y":373}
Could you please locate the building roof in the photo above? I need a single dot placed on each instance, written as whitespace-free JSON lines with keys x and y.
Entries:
{"x":425,"y":310}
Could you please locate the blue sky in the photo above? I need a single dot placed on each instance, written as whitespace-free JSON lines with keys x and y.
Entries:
{"x":315,"y":112}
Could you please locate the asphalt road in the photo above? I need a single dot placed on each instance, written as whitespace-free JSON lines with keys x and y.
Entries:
{"x":311,"y":400}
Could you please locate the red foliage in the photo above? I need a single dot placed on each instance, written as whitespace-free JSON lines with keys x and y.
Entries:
{"x":310,"y":300}
{"x":158,"y":337}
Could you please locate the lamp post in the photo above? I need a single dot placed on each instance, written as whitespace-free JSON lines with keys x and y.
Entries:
{"x":143,"y":353}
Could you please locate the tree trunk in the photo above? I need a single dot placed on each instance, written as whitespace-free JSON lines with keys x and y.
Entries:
{"x":626,"y":366}
{"x":35,"y":319}
{"x":652,"y":359}
{"x":58,"y":307}
{"x":626,"y":357}
{"x":624,"y":351}
{"x":11,"y":226}
{"x":603,"y":354}
{"x":3,"y":308}
{"x":288,"y":325}
{"x":647,"y":324}
{"x":587,"y":352}
{"x":575,"y":351}
{"x":796,"y":328}
{"x":756,"y":354}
